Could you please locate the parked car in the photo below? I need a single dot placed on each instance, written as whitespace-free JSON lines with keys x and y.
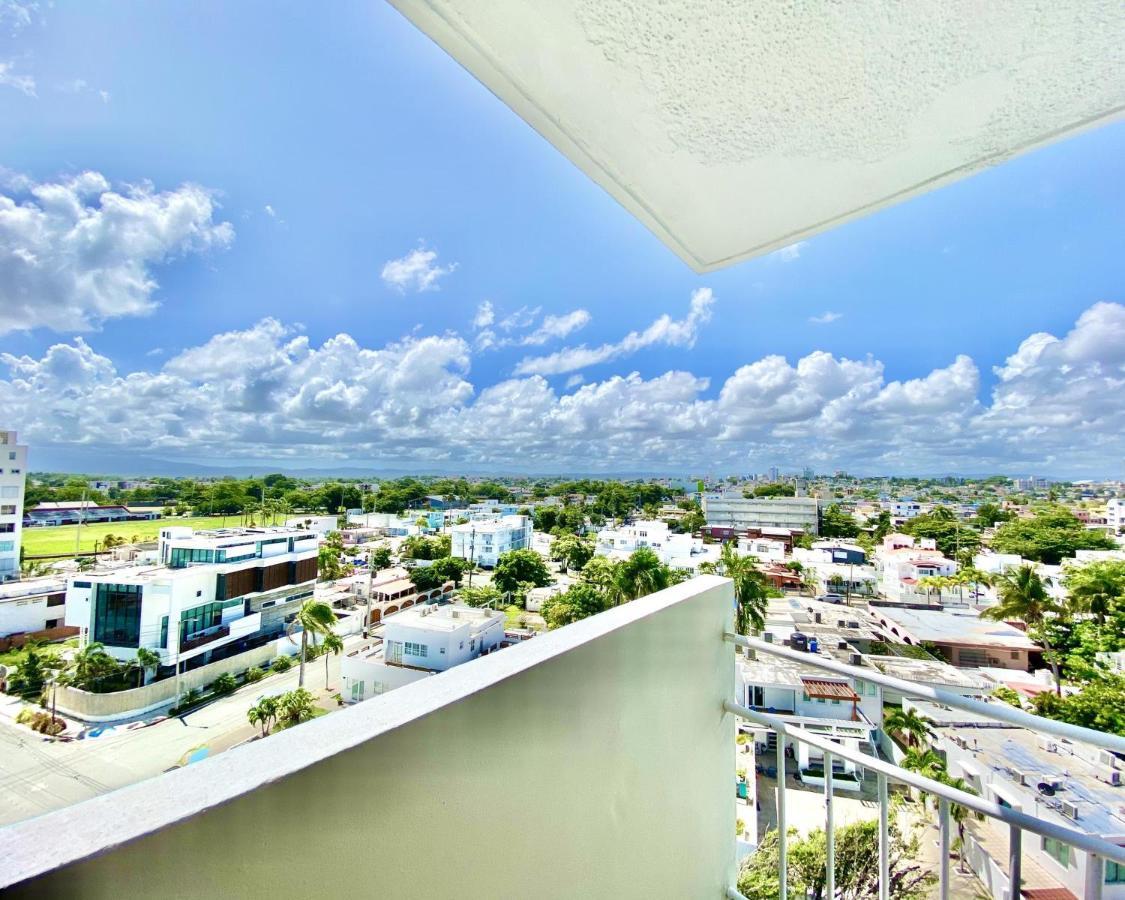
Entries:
{"x":832,"y":598}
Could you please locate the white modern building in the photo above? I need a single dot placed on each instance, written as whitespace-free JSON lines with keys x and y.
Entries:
{"x":13,"y":479}
{"x":417,"y":643}
{"x":484,"y":542}
{"x":902,"y":561}
{"x":653,"y":535}
{"x":212,"y":594}
{"x":32,"y":606}
{"x":762,"y":549}
{"x":1115,"y":515}
{"x":736,"y":511}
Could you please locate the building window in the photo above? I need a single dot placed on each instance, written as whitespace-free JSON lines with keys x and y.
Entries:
{"x":7,"y":510}
{"x":1057,"y":850}
{"x":193,"y":621}
{"x":117,"y":615}
{"x":1114,"y":872}
{"x":412,"y":649}
{"x":7,"y":527}
{"x":7,"y":545}
{"x":53,"y":623}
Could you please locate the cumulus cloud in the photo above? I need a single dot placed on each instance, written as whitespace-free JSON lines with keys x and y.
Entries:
{"x":9,"y":77}
{"x":485,"y":316}
{"x":665,"y":330}
{"x":75,"y":252}
{"x":826,"y":318}
{"x":790,"y":253}
{"x":550,"y":327}
{"x":267,"y":391}
{"x":417,"y":271}
{"x":556,"y":327}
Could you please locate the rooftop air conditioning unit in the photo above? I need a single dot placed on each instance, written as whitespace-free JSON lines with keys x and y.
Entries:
{"x":1107,"y":758}
{"x":856,"y":659}
{"x":840,"y":623}
{"x":843,"y":645}
{"x":853,"y":624}
{"x":767,"y":636}
{"x":1047,"y":744}
{"x":818,"y":618}
{"x":1068,"y":809}
{"x":1109,"y":776}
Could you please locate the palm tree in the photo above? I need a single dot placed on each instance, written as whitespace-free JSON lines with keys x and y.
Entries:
{"x":145,"y":659}
{"x":263,"y":713}
{"x":91,"y":664}
{"x":641,"y":574}
{"x":296,"y":706}
{"x":751,"y":589}
{"x":315,"y":617}
{"x":1097,"y":588}
{"x":333,"y":645}
{"x":926,"y":763}
{"x":1023,"y":596}
{"x":909,"y":723}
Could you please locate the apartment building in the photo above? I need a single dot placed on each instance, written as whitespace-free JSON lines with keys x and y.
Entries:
{"x":31,"y":607}
{"x":13,"y":479}
{"x":903,"y":561}
{"x":1115,"y":515}
{"x":416,"y":643}
{"x":213,"y":594}
{"x":738,"y":512}
{"x":484,"y":542}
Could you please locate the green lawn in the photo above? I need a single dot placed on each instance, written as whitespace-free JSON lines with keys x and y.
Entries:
{"x":60,"y":539}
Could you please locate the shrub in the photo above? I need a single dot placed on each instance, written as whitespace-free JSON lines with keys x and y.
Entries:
{"x":282,"y":664}
{"x":224,"y":684}
{"x":254,"y":674}
{"x":24,"y":716}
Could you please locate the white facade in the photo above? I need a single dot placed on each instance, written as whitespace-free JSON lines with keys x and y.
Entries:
{"x":320,"y":525}
{"x":33,"y":605}
{"x":1115,"y":515}
{"x":210,"y":589}
{"x":680,"y":551}
{"x":729,"y":511}
{"x":419,"y":642}
{"x":903,"y":560}
{"x":764,"y":549}
{"x":13,"y":479}
{"x":484,"y":542}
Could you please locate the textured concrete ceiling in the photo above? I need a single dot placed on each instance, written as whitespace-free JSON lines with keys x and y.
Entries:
{"x":734,"y":127}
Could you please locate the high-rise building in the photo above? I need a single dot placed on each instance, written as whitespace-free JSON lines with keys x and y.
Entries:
{"x":13,"y":477}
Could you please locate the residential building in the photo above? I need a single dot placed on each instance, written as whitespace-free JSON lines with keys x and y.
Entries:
{"x":1067,"y":783}
{"x":484,"y":542}
{"x":416,"y":643}
{"x":766,"y":550}
{"x":319,"y":525}
{"x":902,"y":510}
{"x":13,"y":478}
{"x":902,"y":561}
{"x":797,"y":513}
{"x":680,"y":551}
{"x":1115,"y":515}
{"x":212,"y":594}
{"x":960,"y":636}
{"x":33,"y":606}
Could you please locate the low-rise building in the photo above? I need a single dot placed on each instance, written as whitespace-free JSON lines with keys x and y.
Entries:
{"x":680,"y":551}
{"x":31,"y":607}
{"x":212,"y":594}
{"x":73,"y":512}
{"x":960,"y":636}
{"x":417,"y":643}
{"x":484,"y":542}
{"x":1115,"y":515}
{"x":735,"y":511}
{"x":903,"y":561}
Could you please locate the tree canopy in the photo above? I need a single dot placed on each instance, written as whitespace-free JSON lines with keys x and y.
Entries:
{"x":1052,"y":534}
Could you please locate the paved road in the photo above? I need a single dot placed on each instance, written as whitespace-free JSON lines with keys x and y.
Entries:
{"x":37,"y":775}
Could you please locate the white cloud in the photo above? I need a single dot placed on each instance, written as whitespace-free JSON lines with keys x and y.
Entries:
{"x":665,"y":330}
{"x":416,"y":271}
{"x":790,"y":253}
{"x":574,"y":380}
{"x":826,"y":318}
{"x":485,"y":316}
{"x":25,"y":84}
{"x":75,"y":252}
{"x":267,"y":392}
{"x":521,"y":318}
{"x":81,"y":86}
{"x":16,"y":15}
{"x":556,"y":328}
{"x":269,"y":210}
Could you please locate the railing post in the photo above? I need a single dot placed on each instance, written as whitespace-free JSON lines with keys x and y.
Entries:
{"x":943,"y":863}
{"x":782,"y":837}
{"x":1095,"y":876}
{"x":829,"y":831}
{"x":1015,"y":860}
{"x":884,"y":841}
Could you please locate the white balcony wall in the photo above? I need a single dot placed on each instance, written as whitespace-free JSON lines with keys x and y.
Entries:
{"x":594,"y":761}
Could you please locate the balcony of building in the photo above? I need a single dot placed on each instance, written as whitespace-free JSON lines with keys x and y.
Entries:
{"x":595,"y":761}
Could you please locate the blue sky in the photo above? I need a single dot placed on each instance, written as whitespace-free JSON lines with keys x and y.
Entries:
{"x":368,"y":143}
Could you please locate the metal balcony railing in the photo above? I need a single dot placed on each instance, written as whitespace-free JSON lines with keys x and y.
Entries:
{"x":1098,"y":850}
{"x":204,"y":637}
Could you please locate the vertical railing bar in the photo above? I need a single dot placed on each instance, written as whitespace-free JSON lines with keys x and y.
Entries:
{"x":884,"y":841}
{"x":1015,"y":860}
{"x":782,"y":837}
{"x":943,"y":864}
{"x":829,"y":831}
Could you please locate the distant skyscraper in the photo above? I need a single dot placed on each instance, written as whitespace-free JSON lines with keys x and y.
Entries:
{"x":773,"y":473}
{"x":13,"y":476}
{"x":809,"y":474}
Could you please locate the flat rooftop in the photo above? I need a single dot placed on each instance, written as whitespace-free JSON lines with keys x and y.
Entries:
{"x":960,"y":626}
{"x":929,"y":672}
{"x":442,"y":618}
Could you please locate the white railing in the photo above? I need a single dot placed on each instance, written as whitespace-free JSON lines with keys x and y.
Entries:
{"x":1097,"y":849}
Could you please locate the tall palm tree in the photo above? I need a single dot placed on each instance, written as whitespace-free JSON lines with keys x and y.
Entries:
{"x":332,"y":645}
{"x":751,"y":588}
{"x":91,"y":664}
{"x":263,"y":713}
{"x":641,"y":574}
{"x":925,"y":762}
{"x":315,"y":617}
{"x":909,"y":723}
{"x":1097,"y":588}
{"x":1023,"y":596}
{"x":145,"y":659}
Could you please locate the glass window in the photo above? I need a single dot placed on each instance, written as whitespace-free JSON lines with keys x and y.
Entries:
{"x":1057,"y":850}
{"x":200,"y":618}
{"x":1114,"y":872}
{"x":412,"y":649}
{"x":163,"y":631}
{"x":7,"y":545}
{"x":117,"y":615}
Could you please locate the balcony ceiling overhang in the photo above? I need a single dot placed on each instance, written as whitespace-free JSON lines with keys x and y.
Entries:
{"x":732,"y":128}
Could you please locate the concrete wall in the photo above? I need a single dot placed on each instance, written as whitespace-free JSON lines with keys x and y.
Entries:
{"x":595,"y":761}
{"x":91,"y":707}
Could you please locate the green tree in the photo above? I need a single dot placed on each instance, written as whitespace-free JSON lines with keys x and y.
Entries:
{"x":263,"y":714}
{"x":1100,"y":705}
{"x":224,"y":684}
{"x":909,"y":723}
{"x":329,"y":557}
{"x":481,"y":595}
{"x":1005,"y":694}
{"x":577,"y":602}
{"x":951,"y":537}
{"x":1052,"y":534}
{"x":642,"y":573}
{"x":379,"y":557}
{"x":751,"y":588}
{"x":91,"y":665}
{"x":1023,"y":596}
{"x":774,"y":489}
{"x":572,"y":551}
{"x":316,"y":618}
{"x":451,"y":568}
{"x":144,"y":660}
{"x":989,"y":514}
{"x":333,"y":645}
{"x":519,"y":567}
{"x":296,"y":706}
{"x":836,"y":523}
{"x":1097,"y":588}
{"x":426,"y":578}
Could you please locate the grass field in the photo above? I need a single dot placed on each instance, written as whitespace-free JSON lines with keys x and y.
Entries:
{"x":60,"y":539}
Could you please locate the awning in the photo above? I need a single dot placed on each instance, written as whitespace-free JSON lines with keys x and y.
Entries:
{"x":819,"y":689}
